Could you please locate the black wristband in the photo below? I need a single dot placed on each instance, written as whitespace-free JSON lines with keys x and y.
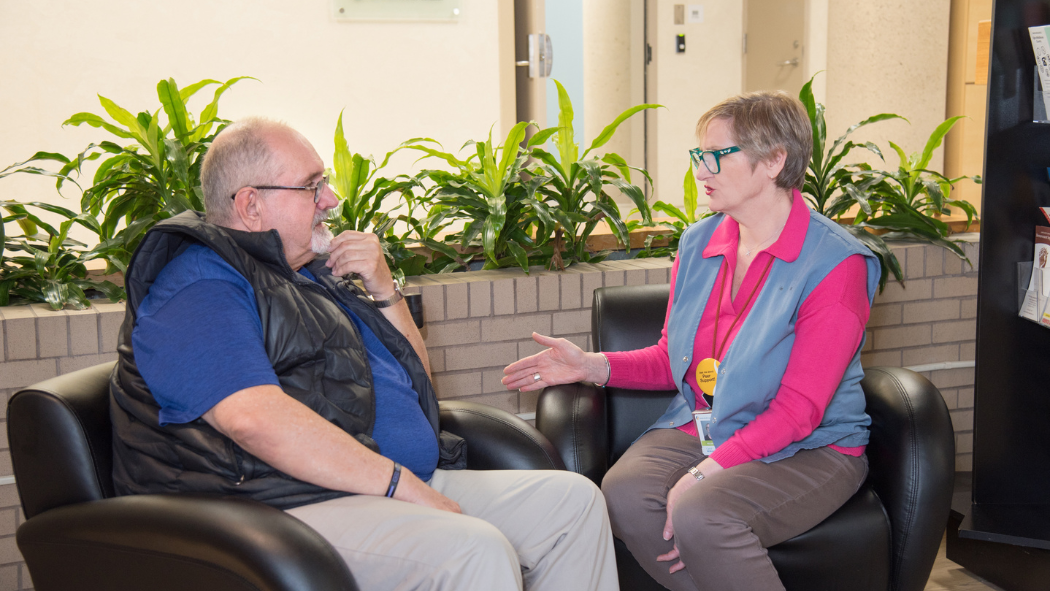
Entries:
{"x":394,"y":478}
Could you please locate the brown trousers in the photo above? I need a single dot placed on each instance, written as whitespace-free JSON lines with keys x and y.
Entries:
{"x":725,"y":523}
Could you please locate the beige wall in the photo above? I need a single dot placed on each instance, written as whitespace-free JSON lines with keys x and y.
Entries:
{"x":816,"y":58}
{"x":888,"y":56}
{"x":449,"y":81}
{"x":613,"y":39}
{"x":877,"y":56}
{"x":690,"y":83}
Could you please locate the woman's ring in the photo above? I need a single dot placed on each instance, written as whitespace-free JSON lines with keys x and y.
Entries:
{"x":535,"y":377}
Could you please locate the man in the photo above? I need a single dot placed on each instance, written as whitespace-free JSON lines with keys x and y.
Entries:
{"x":248,"y":367}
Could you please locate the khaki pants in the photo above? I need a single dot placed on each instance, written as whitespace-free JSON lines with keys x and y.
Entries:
{"x":724,"y":524}
{"x":546,"y":529}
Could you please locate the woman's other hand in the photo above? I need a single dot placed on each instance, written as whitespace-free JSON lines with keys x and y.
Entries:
{"x":708,"y":467}
{"x":561,"y":363}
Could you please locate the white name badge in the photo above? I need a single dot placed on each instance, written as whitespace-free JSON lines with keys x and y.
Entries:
{"x":702,"y":418}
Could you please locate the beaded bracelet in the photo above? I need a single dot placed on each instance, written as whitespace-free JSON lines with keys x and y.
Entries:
{"x":394,"y":478}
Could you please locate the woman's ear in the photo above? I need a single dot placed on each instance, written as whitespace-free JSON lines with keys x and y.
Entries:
{"x":775,"y":164}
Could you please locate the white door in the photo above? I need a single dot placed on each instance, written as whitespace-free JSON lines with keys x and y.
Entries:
{"x":774,"y":45}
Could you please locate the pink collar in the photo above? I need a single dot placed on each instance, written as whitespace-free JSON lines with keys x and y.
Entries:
{"x":726,"y":237}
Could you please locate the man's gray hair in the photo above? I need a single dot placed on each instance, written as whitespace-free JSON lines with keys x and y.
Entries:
{"x":240,"y":155}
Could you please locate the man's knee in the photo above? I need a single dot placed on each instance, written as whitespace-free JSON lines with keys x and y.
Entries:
{"x":577,"y":494}
{"x":473,"y":549}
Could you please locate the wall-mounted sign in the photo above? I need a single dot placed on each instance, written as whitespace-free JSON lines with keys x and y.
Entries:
{"x":396,"y":10}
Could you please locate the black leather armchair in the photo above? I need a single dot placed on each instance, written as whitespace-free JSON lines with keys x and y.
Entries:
{"x":885,"y":537}
{"x":78,"y":536}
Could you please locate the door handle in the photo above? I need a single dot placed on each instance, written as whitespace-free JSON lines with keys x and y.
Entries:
{"x":541,"y":56}
{"x":791,"y":62}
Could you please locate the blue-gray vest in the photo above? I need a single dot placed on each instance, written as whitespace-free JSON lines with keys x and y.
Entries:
{"x":751,"y":371}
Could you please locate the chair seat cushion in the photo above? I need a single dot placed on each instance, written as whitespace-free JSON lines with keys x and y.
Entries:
{"x":848,"y":550}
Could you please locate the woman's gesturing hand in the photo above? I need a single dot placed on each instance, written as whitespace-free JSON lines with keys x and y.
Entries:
{"x":561,"y":363}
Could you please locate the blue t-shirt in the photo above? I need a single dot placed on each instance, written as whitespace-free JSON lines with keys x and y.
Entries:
{"x":198,"y":338}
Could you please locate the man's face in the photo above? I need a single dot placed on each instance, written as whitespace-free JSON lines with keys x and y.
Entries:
{"x":293,"y":213}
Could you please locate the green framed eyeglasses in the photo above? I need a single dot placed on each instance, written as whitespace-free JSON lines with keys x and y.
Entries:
{"x":317,"y":189}
{"x":710,"y":158}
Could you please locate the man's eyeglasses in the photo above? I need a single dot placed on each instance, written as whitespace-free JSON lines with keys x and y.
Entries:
{"x":710,"y":158}
{"x":317,"y":189}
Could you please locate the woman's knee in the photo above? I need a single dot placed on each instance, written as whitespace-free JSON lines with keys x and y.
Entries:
{"x":709,"y":518}
{"x":623,"y":489}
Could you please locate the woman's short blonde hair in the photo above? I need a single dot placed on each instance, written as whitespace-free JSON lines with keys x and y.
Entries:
{"x":764,"y":123}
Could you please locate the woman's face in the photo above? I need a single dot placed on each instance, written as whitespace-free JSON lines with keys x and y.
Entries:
{"x":737,"y":182}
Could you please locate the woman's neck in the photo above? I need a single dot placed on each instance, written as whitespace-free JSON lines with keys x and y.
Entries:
{"x":763,"y":221}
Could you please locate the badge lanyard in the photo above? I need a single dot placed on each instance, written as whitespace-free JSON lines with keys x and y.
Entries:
{"x":707,"y":369}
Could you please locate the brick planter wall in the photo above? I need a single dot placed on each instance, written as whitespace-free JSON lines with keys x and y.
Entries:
{"x":476,"y":323}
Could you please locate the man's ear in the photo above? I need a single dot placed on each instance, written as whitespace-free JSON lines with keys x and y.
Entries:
{"x":248,"y":207}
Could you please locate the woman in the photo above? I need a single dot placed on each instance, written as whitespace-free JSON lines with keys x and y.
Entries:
{"x":764,"y":326}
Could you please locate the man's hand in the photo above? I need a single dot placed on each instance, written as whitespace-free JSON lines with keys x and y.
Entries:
{"x":413,"y":490}
{"x":361,"y":253}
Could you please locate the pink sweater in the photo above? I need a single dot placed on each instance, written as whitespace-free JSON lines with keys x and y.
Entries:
{"x":828,"y":330}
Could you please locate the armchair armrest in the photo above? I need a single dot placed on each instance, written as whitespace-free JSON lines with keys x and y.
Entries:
{"x":498,"y":440}
{"x":573,"y":417}
{"x":912,"y":466}
{"x":173,"y":542}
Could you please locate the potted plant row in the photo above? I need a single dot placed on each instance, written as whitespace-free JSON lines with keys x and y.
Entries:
{"x":533,"y":198}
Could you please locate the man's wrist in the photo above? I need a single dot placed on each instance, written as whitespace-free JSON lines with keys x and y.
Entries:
{"x":385,"y":301}
{"x":395,"y":477}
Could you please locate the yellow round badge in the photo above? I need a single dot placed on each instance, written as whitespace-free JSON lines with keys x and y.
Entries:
{"x":707,"y":375}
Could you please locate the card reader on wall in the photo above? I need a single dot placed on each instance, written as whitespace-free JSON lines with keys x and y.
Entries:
{"x":679,"y":44}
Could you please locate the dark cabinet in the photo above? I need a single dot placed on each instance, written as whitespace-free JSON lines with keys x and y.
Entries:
{"x":1004,"y":534}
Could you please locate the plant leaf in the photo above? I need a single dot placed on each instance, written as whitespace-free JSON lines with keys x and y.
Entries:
{"x":936,"y":138}
{"x":174,"y":107}
{"x":122,"y":116}
{"x":610,"y":129}
{"x":689,"y":187}
{"x":566,"y":142}
{"x":96,"y":121}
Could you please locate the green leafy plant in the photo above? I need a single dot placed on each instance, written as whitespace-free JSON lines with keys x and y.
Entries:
{"x":906,"y":202}
{"x":898,"y":205}
{"x":486,"y":191}
{"x":44,"y":264}
{"x":362,"y":193}
{"x":680,"y":220}
{"x":148,"y":172}
{"x":156,"y":173}
{"x":574,"y":190}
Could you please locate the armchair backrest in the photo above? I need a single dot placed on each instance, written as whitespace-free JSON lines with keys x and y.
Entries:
{"x":61,"y":440}
{"x":624,"y":319}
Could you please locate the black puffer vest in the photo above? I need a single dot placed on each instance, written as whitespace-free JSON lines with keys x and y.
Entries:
{"x":315,"y":349}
